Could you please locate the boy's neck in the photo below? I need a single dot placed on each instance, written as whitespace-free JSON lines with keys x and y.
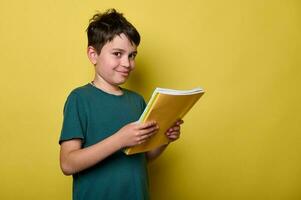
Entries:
{"x":106,"y":87}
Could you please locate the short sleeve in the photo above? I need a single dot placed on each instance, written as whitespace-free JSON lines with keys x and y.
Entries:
{"x":74,"y":123}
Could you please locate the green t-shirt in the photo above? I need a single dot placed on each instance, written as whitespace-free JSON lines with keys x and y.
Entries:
{"x":93,"y":115}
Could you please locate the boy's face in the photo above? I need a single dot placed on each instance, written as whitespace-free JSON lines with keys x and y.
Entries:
{"x":116,"y":60}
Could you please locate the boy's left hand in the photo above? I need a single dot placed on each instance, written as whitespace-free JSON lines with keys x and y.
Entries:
{"x":173,"y":133}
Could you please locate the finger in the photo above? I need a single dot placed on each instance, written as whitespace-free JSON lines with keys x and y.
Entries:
{"x":174,"y":133}
{"x":142,"y":141}
{"x":174,"y":136}
{"x":174,"y":128}
{"x":146,"y":125}
{"x":148,"y":130}
{"x":179,"y":122}
{"x":148,"y":135}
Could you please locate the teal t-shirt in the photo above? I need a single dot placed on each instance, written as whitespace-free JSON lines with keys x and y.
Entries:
{"x":93,"y":115}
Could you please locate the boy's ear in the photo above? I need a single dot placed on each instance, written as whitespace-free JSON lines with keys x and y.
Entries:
{"x":92,"y":54}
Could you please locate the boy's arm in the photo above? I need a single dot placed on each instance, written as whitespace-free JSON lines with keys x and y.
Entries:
{"x":173,"y":133}
{"x":73,"y":158}
{"x":153,"y":154}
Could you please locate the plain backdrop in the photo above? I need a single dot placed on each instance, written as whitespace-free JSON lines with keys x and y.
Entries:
{"x":240,"y":142}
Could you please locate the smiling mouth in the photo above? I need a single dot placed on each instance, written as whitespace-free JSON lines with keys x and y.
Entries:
{"x":124,"y":73}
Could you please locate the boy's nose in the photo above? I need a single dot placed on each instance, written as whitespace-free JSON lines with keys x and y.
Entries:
{"x":126,"y":62}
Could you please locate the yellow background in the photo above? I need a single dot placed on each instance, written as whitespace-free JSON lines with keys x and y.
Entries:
{"x":241,"y":141}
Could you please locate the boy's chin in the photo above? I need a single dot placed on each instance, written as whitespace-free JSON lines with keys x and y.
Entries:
{"x":120,"y":82}
{"x":122,"y":79}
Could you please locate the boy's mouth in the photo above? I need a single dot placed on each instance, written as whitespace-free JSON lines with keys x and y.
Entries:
{"x":124,"y":73}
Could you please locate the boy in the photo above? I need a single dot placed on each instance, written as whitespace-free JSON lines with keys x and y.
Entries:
{"x":99,"y":119}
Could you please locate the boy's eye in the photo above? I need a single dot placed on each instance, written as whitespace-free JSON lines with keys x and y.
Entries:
{"x":132,"y":56}
{"x":118,"y":54}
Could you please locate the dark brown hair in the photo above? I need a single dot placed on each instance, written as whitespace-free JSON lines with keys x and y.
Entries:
{"x":103,"y":27}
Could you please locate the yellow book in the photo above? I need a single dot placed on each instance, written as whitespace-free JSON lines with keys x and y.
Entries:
{"x":165,"y":106}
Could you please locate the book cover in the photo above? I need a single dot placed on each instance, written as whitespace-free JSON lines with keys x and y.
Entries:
{"x":165,"y":106}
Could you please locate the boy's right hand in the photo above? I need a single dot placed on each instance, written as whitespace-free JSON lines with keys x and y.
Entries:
{"x":136,"y":133}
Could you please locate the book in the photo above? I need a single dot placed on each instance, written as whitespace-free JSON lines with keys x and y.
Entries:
{"x":165,"y":106}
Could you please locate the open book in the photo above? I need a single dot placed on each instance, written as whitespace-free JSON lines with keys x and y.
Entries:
{"x":165,"y":106}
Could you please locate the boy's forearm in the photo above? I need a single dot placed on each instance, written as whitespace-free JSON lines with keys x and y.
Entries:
{"x":84,"y":158}
{"x":153,"y":154}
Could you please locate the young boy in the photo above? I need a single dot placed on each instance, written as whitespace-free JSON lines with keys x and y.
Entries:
{"x":99,"y":119}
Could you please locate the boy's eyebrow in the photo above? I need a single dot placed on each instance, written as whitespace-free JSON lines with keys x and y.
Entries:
{"x":122,"y":50}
